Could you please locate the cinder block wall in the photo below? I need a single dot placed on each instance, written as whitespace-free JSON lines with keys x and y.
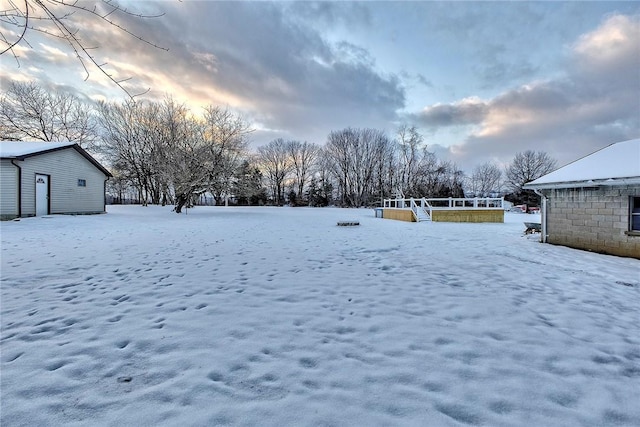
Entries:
{"x":399,"y":214}
{"x":594,"y":219}
{"x":476,"y":215}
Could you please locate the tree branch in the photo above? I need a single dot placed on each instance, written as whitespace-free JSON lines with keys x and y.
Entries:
{"x":22,"y":17}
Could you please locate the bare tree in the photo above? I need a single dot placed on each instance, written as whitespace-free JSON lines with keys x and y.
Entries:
{"x":119,"y":188}
{"x":409,"y":142}
{"x":207,"y":159}
{"x":172,"y":124}
{"x":359,"y":158}
{"x":63,"y":20}
{"x":456,"y":181}
{"x":31,"y":113}
{"x":525,"y":167}
{"x":384,"y":167}
{"x":188,"y":166}
{"x":225,"y":136}
{"x":276,"y":165}
{"x":169,"y":154}
{"x":130,"y":141}
{"x":338,"y":154}
{"x":303,"y":156}
{"x":437,"y":178}
{"x":485,"y":179}
{"x":321,"y":187}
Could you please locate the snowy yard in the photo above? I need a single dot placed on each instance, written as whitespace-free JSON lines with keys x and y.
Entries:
{"x":277,"y":317}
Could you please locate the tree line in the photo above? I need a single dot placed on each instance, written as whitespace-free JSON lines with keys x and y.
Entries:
{"x":163,"y":153}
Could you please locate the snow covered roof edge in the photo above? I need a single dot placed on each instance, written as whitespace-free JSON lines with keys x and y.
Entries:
{"x":21,"y":150}
{"x":615,"y":164}
{"x":15,"y":149}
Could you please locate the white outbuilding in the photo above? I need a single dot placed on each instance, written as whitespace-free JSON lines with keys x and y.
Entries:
{"x":42,"y":178}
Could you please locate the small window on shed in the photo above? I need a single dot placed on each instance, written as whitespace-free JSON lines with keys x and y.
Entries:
{"x":634,"y":215}
{"x":82,"y":183}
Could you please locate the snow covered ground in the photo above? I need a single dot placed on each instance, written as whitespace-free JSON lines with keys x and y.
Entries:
{"x":276,"y":316}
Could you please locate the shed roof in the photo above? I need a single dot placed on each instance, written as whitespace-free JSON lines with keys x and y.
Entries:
{"x":616,"y":164}
{"x":19,"y":150}
{"x":14,"y":149}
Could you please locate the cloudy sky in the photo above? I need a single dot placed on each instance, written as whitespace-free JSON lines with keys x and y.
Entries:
{"x":481,"y":80}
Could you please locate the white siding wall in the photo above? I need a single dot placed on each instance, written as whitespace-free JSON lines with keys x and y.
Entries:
{"x":8,"y":190}
{"x":64,"y":168}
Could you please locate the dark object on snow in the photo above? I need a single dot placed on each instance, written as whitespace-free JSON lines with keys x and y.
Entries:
{"x":624,"y":283}
{"x":124,"y":379}
{"x":532,"y":227}
{"x":347,"y":223}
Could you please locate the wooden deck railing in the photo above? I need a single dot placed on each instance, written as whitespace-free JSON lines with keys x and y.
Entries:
{"x":451,"y":203}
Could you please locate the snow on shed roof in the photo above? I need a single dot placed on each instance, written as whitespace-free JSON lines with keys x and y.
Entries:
{"x":13,"y":149}
{"x":616,"y":163}
{"x":21,"y":150}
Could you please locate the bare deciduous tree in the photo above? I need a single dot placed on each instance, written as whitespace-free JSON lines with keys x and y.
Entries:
{"x":485,"y":179}
{"x":63,"y":20}
{"x":386,"y":165}
{"x":338,"y":154}
{"x":525,"y":167}
{"x":359,"y":158}
{"x":436,"y":178}
{"x":321,"y":187}
{"x":31,"y":113}
{"x":170,"y":155}
{"x":276,"y":164}
{"x":303,"y":155}
{"x":130,"y":139}
{"x":409,"y":143}
{"x":225,"y":136}
{"x":207,"y":158}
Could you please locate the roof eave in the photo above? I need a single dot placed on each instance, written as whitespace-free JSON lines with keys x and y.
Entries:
{"x":581,"y":184}
{"x":75,"y":146}
{"x":90,"y":158}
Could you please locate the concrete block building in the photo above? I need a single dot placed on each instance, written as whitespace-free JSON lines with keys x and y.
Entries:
{"x":594,"y":202}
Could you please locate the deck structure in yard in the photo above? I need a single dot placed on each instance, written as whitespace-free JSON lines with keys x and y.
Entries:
{"x":488,"y":209}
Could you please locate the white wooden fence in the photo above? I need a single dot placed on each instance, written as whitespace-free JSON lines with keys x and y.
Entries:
{"x":422,"y":208}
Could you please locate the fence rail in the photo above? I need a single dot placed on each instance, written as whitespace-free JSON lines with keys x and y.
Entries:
{"x":450,"y":203}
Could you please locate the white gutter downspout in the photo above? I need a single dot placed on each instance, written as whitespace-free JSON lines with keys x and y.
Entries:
{"x":543,"y":216}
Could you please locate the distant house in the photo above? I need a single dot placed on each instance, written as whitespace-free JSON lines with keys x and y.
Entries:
{"x":41,"y":178}
{"x":594,"y":202}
